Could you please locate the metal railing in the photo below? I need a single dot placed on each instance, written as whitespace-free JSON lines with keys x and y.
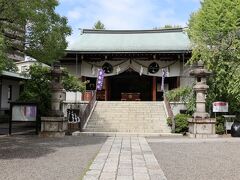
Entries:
{"x":86,"y":113}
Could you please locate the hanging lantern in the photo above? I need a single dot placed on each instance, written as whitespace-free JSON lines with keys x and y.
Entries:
{"x":108,"y":68}
{"x":153,"y":68}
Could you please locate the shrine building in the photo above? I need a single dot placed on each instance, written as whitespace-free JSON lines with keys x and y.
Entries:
{"x":133,"y":61}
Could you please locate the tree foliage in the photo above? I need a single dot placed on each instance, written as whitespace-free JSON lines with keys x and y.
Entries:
{"x":72,"y":83}
{"x":215,"y":32}
{"x":185,"y":95}
{"x":99,"y":25}
{"x":33,"y":28}
{"x":5,"y":64}
{"x":37,"y":89}
{"x":168,"y":26}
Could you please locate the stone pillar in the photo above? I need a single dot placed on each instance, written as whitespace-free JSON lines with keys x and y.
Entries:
{"x":201,"y":125}
{"x":55,"y":124}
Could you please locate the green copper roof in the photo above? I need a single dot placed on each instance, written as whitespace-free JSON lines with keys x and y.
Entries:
{"x":165,"y":40}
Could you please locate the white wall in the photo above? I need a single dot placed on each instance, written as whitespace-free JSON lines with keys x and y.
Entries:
{"x":72,"y":69}
{"x":4,"y":96}
{"x":177,"y":106}
{"x":73,"y":97}
{"x":24,"y":65}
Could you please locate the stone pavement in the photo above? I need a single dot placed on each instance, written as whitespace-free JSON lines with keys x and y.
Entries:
{"x":125,"y":158}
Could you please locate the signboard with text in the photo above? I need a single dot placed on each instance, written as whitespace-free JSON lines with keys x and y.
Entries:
{"x":220,"y":106}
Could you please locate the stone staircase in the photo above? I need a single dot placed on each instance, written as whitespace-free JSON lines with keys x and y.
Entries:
{"x":128,"y":116}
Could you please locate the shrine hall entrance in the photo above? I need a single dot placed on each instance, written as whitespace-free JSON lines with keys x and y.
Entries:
{"x":130,"y":86}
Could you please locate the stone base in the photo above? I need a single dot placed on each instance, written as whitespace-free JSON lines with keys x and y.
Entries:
{"x":202,"y":135}
{"x":51,"y":134}
{"x":202,"y":128}
{"x":53,"y":126}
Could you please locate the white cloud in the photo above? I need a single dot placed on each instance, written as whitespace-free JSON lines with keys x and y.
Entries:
{"x":74,"y":14}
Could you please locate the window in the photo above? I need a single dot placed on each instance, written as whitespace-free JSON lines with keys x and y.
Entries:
{"x":23,"y":68}
{"x":10,"y":92}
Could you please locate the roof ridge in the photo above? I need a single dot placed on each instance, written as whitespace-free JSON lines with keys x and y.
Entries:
{"x":101,"y":31}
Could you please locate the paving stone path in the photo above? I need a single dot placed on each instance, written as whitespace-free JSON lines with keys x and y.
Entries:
{"x":125,"y":158}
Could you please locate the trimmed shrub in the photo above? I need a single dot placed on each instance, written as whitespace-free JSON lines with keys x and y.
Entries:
{"x":220,"y":129}
{"x":220,"y":125}
{"x":181,"y":123}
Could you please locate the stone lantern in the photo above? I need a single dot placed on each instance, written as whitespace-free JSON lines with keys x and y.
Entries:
{"x":201,"y":125}
{"x":55,"y":124}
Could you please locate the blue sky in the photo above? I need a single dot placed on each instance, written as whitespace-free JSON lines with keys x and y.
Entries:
{"x":126,"y":14}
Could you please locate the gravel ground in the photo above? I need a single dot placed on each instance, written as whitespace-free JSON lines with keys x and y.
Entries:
{"x":190,"y":159}
{"x":35,"y":158}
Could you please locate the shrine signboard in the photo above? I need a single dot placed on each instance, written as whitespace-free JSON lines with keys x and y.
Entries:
{"x":220,"y":106}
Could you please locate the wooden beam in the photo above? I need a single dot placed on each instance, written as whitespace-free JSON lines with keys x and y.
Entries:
{"x":154,"y":88}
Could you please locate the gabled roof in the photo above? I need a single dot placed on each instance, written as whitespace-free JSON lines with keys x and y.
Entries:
{"x":163,"y":40}
{"x":12,"y":75}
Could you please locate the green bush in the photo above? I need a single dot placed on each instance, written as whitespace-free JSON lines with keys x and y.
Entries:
{"x":220,"y":129}
{"x":181,"y":123}
{"x":220,"y":125}
{"x":179,"y":94}
{"x":169,"y":121}
{"x":183,"y":94}
{"x":220,"y":120}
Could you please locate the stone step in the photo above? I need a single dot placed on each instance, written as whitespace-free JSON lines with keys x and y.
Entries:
{"x":124,"y":130}
{"x":128,"y":117}
{"x":124,"y":134}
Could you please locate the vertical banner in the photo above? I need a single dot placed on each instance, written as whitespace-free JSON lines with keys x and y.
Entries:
{"x":164,"y":74}
{"x":100,"y":79}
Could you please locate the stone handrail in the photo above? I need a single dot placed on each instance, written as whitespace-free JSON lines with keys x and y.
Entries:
{"x":169,"y":112}
{"x":168,"y":107}
{"x":88,"y":110}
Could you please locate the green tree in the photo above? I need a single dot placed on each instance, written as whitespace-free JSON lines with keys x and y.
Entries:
{"x":168,"y":26}
{"x":215,"y":34}
{"x":72,"y":83}
{"x":185,"y":95}
{"x":98,"y":25}
{"x":4,"y":63}
{"x":37,"y":88}
{"x":33,"y":28}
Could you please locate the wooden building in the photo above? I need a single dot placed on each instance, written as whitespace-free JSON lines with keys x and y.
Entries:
{"x":133,"y":61}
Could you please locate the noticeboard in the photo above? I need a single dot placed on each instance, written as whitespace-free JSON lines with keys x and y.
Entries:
{"x":24,"y":112}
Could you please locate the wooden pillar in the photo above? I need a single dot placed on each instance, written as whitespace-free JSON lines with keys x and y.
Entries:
{"x":178,"y":81}
{"x":106,"y":88}
{"x":154,"y":89}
